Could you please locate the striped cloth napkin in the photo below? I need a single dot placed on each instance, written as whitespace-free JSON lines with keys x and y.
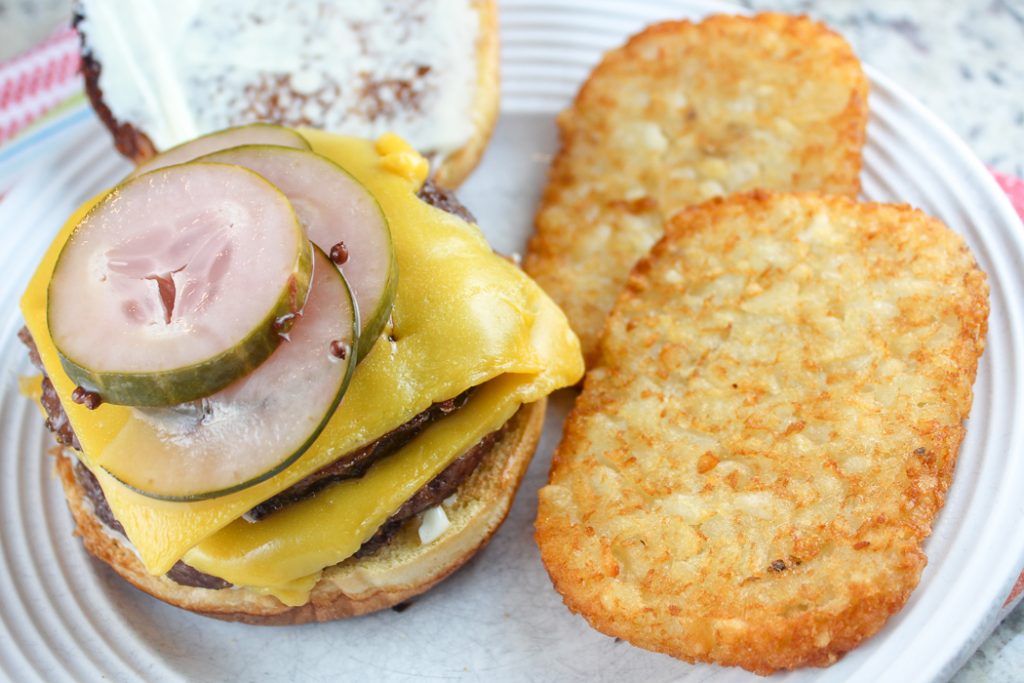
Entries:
{"x":33,"y":83}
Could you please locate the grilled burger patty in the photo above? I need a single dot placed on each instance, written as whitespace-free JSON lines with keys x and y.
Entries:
{"x":444,"y":199}
{"x":355,"y":464}
{"x":348,"y":466}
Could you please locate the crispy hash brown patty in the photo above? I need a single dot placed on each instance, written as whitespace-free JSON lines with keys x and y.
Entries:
{"x":755,"y":462}
{"x":682,"y":113}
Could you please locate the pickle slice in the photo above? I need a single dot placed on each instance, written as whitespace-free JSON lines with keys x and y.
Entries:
{"x":175,"y":284}
{"x":251,"y":134}
{"x":334,"y":208}
{"x":257,"y":426}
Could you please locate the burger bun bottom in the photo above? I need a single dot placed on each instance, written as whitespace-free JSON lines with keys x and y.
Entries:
{"x":397,"y":572}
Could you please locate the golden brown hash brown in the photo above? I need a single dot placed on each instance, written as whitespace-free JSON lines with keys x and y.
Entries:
{"x":682,"y":113}
{"x":755,"y":462}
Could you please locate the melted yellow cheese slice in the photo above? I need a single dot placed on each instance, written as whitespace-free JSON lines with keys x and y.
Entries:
{"x":285,"y":552}
{"x":462,"y":316}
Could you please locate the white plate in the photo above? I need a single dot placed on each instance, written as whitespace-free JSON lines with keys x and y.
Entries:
{"x":64,"y":616}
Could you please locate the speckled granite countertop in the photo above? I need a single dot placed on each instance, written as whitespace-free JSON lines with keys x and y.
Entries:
{"x":965,"y":60}
{"x":23,"y":23}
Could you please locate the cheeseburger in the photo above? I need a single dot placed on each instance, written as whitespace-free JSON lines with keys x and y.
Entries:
{"x":289,"y":379}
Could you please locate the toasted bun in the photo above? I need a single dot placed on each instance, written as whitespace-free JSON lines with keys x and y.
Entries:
{"x":461,"y":163}
{"x":681,"y":113}
{"x":753,"y":466}
{"x":137,"y":145}
{"x":400,"y":570}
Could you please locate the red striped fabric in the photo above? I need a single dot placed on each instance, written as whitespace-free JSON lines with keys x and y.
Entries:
{"x":32,"y":83}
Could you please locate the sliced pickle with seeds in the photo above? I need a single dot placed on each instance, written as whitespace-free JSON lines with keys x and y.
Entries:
{"x":251,"y":134}
{"x":257,"y":426}
{"x":341,"y":217}
{"x":169,"y":288}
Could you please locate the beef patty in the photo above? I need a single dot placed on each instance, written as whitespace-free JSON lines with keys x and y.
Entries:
{"x":348,"y":466}
{"x":356,"y":463}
